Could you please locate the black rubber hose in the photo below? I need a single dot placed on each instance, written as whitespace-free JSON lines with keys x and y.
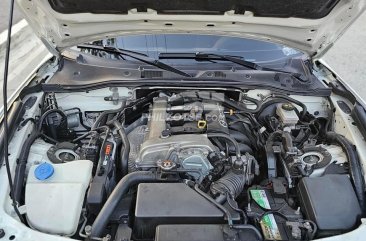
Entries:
{"x":227,"y":137}
{"x":354,"y":164}
{"x":279,"y":99}
{"x":22,"y":164}
{"x":244,"y":148}
{"x":125,"y":151}
{"x":139,"y":122}
{"x":113,"y":200}
{"x":108,"y":112}
{"x":240,"y":107}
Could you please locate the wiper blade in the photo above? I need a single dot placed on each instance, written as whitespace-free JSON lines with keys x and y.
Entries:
{"x":137,"y":56}
{"x":199,"y":56}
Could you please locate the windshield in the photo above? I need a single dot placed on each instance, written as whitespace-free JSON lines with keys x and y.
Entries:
{"x":154,"y":44}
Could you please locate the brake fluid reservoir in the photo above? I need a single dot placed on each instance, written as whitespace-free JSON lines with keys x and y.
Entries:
{"x":287,"y":114}
{"x":54,"y":195}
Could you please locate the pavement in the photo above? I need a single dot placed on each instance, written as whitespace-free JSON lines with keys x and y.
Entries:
{"x":347,"y":57}
{"x":21,"y":63}
{"x":4,"y":14}
{"x":23,"y":42}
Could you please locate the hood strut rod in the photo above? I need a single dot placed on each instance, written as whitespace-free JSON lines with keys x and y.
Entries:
{"x":5,"y":120}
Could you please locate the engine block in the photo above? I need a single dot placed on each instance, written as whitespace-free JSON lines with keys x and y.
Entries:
{"x":187,"y":150}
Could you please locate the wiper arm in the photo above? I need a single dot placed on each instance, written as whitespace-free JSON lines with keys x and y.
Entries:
{"x":137,"y":56}
{"x":237,"y":60}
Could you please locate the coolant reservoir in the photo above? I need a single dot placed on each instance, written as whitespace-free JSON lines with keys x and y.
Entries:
{"x":54,"y":195}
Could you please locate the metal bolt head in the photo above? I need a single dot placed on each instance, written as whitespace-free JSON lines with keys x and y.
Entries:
{"x":107,"y":237}
{"x":88,"y":230}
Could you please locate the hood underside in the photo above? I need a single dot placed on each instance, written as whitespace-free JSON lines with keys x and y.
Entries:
{"x":311,"y":26}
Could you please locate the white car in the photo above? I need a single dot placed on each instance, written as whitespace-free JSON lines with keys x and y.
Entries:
{"x":170,"y":120}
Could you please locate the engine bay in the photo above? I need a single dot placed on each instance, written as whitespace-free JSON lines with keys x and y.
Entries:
{"x":176,"y":164}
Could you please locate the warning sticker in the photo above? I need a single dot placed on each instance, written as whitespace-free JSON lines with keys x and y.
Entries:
{"x":268,"y":222}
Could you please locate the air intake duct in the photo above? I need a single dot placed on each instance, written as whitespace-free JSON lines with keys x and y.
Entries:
{"x":231,"y":183}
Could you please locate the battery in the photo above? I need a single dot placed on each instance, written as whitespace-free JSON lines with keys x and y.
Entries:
{"x":273,"y":226}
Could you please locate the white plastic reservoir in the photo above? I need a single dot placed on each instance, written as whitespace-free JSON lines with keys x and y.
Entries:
{"x":54,"y":195}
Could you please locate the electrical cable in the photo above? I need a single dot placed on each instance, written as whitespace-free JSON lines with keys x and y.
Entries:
{"x":218,"y":205}
{"x":242,"y":212}
{"x":277,"y":213}
{"x":44,"y":115}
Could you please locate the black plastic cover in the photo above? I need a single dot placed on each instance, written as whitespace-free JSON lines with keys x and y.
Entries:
{"x":106,"y":72}
{"x":189,"y":232}
{"x":204,"y":232}
{"x":276,"y":8}
{"x":103,"y":181}
{"x":171,"y":203}
{"x":330,"y":201}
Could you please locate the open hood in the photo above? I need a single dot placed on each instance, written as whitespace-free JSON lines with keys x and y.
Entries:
{"x":311,"y":26}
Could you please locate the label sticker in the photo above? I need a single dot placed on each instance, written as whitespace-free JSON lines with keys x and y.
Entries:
{"x":268,"y":223}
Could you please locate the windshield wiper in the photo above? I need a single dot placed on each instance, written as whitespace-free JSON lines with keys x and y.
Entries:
{"x":137,"y":56}
{"x":199,"y":56}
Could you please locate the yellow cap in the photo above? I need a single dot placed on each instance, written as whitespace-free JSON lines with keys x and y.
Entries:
{"x":201,"y":124}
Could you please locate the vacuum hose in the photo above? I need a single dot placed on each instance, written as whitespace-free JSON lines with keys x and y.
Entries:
{"x":354,"y":164}
{"x":113,"y":200}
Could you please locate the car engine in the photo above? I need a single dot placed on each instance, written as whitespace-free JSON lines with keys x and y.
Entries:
{"x":178,"y":164}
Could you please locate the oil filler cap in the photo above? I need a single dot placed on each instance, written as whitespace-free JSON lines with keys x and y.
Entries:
{"x":44,"y":171}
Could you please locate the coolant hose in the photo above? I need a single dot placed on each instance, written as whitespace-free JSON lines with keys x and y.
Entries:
{"x":354,"y":165}
{"x":113,"y":200}
{"x":125,"y":151}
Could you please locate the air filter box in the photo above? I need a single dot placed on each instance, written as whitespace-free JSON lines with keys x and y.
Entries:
{"x":171,"y":203}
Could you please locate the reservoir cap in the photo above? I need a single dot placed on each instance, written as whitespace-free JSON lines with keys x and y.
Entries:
{"x":44,"y":171}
